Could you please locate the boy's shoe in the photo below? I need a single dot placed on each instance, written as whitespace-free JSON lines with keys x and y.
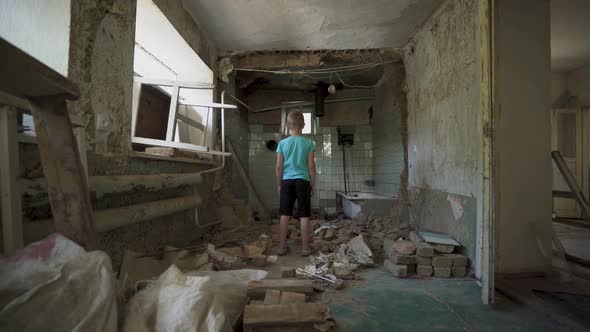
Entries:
{"x":305,"y":252}
{"x":283,"y":252}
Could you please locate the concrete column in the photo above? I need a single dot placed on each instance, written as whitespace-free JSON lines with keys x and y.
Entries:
{"x":523,"y":136}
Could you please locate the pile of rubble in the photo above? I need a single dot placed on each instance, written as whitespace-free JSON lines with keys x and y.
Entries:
{"x":416,"y":256}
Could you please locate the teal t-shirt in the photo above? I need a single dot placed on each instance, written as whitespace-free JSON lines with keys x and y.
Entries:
{"x":295,"y":150}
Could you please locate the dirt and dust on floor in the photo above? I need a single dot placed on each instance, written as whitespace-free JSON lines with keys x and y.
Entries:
{"x":229,"y":280}
{"x":248,"y":287}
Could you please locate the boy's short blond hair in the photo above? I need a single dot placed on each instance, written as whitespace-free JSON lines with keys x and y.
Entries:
{"x":295,"y":121}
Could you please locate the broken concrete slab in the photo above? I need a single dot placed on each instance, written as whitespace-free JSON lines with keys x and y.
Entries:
{"x":400,"y":271}
{"x":442,"y":272}
{"x":424,"y":270}
{"x":424,"y":249}
{"x":442,"y":261}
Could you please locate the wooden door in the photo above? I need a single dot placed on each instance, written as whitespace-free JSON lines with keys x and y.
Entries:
{"x":566,"y":125}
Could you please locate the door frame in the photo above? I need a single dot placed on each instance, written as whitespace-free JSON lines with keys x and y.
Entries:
{"x":485,"y":41}
{"x":580,"y":147}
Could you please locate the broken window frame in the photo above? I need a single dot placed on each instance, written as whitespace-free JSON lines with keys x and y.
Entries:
{"x":173,"y":115}
{"x":287,"y":108}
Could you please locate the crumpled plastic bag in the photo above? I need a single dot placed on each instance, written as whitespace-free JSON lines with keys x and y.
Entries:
{"x":203,"y":301}
{"x":55,"y":285}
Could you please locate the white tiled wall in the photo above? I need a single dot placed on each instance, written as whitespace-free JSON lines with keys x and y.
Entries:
{"x":330,"y":174}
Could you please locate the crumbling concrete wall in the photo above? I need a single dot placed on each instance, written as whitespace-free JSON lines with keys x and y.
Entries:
{"x":389,"y":118}
{"x":101,"y":63}
{"x":445,"y":125}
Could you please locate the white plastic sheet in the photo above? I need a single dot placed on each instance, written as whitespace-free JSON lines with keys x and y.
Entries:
{"x":54,"y":285}
{"x":203,"y":301}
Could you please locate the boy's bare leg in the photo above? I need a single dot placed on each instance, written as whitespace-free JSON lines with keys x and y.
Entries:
{"x":305,"y":233}
{"x":283,"y":227}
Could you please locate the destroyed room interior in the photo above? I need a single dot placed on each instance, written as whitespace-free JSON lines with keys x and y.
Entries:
{"x":295,"y":165}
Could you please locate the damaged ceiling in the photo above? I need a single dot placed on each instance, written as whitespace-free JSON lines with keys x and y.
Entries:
{"x":304,"y":70}
{"x":310,"y":24}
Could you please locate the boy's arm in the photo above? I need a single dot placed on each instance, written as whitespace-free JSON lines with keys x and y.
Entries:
{"x":280,"y":161}
{"x":311,"y":166}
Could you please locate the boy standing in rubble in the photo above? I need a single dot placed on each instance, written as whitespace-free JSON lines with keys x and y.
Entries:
{"x":296,"y":180}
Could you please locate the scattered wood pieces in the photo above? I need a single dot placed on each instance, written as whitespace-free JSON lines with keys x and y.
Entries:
{"x":257,"y":288}
{"x":284,"y":314}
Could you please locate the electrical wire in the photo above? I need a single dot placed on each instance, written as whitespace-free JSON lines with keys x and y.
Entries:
{"x":320,"y":70}
{"x":355,"y":86}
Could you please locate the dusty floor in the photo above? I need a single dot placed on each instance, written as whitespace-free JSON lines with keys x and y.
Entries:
{"x":576,"y":240}
{"x":381,"y":302}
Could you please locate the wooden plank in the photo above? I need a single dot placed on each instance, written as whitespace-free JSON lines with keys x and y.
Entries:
{"x":183,"y":84}
{"x":25,"y":76}
{"x":264,"y":213}
{"x":272,"y":296}
{"x":66,"y":178}
{"x":160,"y":150}
{"x":257,"y":288}
{"x":292,"y":297}
{"x":190,"y":121}
{"x":139,"y":154}
{"x":178,"y":145}
{"x":284,"y":314}
{"x":10,"y":194}
{"x":171,"y":127}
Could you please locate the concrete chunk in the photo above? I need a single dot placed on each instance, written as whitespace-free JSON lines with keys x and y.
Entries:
{"x":443,"y":248}
{"x":442,"y":261}
{"x":427,"y":261}
{"x":424,"y":249}
{"x":459,"y":271}
{"x":400,"y":271}
{"x":459,"y":260}
{"x":403,"y":259}
{"x":442,"y":272}
{"x":404,"y":247}
{"x":424,"y":270}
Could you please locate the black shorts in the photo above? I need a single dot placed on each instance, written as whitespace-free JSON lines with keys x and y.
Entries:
{"x":296,"y":190}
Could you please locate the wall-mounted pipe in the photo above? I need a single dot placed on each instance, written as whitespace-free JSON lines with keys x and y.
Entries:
{"x":120,"y":183}
{"x":109,"y":219}
{"x":213,"y":170}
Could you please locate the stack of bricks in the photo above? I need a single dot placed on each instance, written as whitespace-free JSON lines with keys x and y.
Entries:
{"x":404,"y":257}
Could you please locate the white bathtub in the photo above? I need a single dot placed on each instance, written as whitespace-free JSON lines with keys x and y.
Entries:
{"x":367,"y":203}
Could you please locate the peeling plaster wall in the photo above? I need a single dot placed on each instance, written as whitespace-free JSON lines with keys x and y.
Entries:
{"x":388,"y":145}
{"x":101,"y":63}
{"x":523,"y":137}
{"x":444,"y":126}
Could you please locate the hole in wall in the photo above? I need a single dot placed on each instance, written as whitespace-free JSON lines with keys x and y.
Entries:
{"x":271,"y":145}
